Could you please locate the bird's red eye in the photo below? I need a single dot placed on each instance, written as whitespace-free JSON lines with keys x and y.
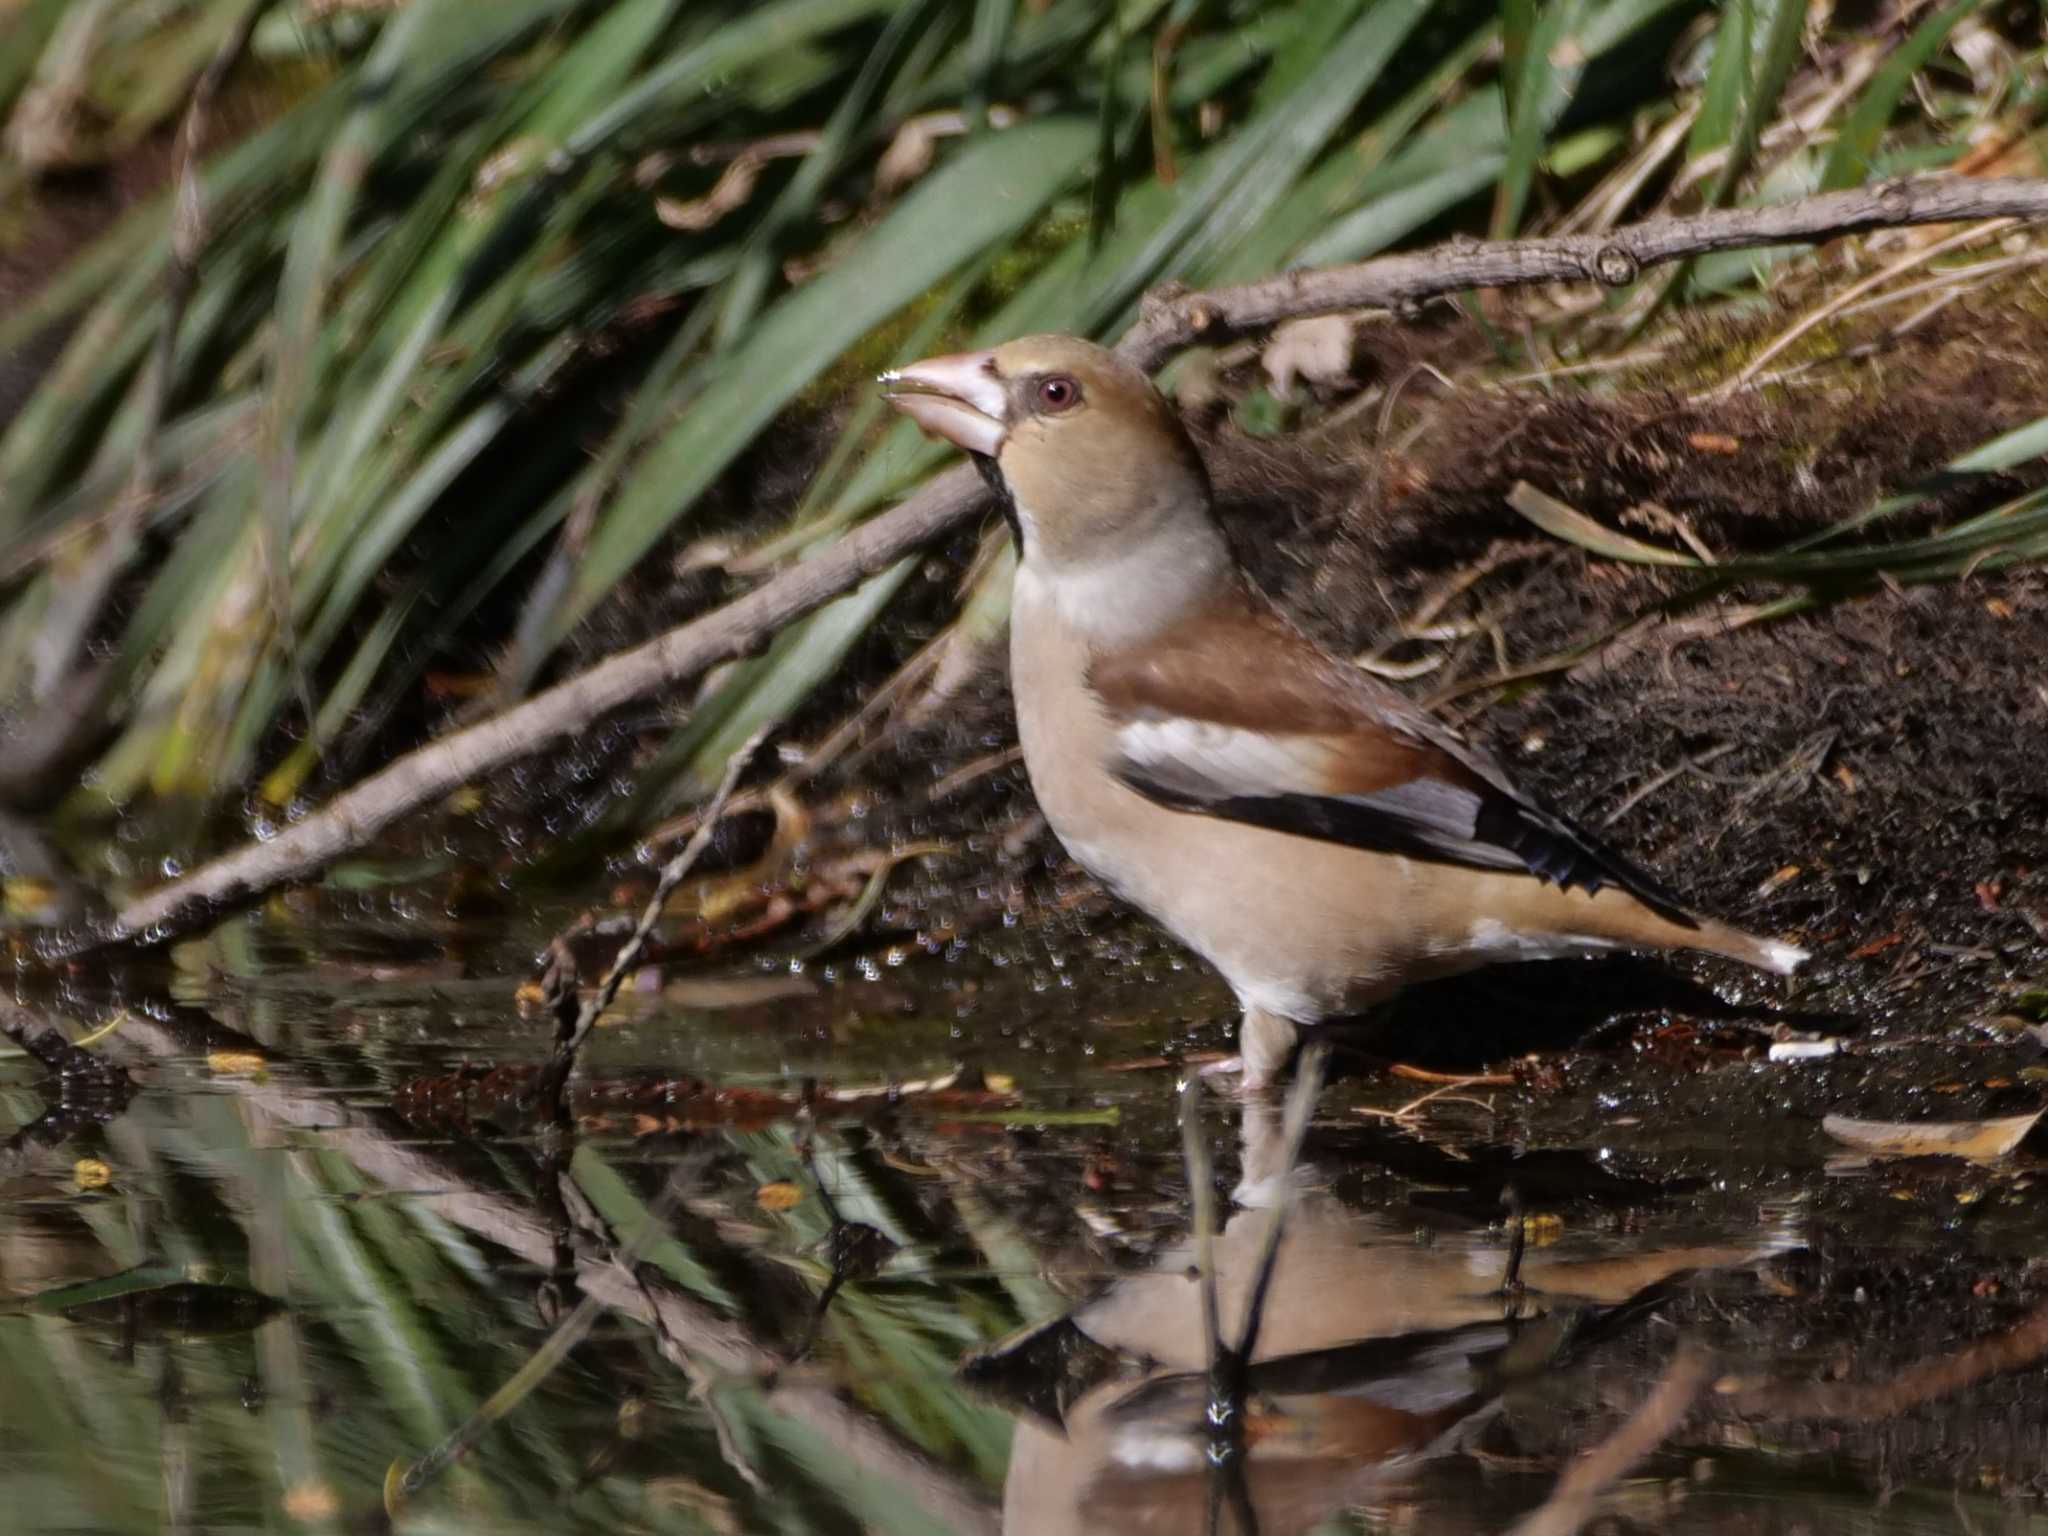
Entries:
{"x":1058,"y":393}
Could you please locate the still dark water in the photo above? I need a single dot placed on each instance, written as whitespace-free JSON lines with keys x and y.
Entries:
{"x":320,"y":1236}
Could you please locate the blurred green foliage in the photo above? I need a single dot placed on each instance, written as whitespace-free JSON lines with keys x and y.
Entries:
{"x":492,"y":297}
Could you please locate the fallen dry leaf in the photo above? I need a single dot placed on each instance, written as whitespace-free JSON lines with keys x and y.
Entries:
{"x":1461,"y":1079}
{"x":1781,"y":877}
{"x":1542,"y":1228}
{"x":1316,"y":351}
{"x":1158,"y":1063}
{"x":1979,"y":1140}
{"x":734,"y":186}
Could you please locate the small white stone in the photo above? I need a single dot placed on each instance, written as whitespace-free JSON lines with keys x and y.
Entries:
{"x":1804,"y":1050}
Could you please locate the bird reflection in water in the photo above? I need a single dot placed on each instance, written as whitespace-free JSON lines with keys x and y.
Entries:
{"x":1376,"y":1356}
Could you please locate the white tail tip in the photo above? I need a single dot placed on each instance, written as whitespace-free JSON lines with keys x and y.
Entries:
{"x":1782,"y":958}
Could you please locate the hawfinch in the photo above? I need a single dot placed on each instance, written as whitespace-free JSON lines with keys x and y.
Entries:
{"x":1312,"y":835}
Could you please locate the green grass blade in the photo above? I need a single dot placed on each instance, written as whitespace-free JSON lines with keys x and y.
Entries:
{"x":988,"y":191}
{"x":1303,"y":121}
{"x":849,"y":123}
{"x":1727,"y":78}
{"x":1848,"y":164}
{"x":1535,"y":88}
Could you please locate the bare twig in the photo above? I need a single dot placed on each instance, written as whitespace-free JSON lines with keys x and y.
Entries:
{"x":549,"y":1087}
{"x":1572,"y":1501}
{"x":673,"y":874}
{"x":1443,"y":1093}
{"x":1450,"y":1079}
{"x":2016,"y":1348}
{"x":422,"y":777}
{"x":1650,"y":786}
{"x":1169,"y":321}
{"x":981,"y":767}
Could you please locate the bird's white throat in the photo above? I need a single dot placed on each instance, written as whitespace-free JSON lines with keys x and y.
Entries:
{"x":1133,"y":594}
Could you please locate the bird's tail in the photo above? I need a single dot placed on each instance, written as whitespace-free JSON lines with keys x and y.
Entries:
{"x":1751,"y":949}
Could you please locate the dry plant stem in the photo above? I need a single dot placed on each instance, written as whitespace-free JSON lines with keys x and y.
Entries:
{"x":1571,"y":1502}
{"x":2018,"y":1347}
{"x":1838,"y":302}
{"x":548,"y":1088}
{"x":353,"y":818}
{"x":1443,"y":1092}
{"x":1650,"y":786}
{"x":1169,"y":321}
{"x":1172,"y":320}
{"x":1450,"y":1079}
{"x":673,"y":874}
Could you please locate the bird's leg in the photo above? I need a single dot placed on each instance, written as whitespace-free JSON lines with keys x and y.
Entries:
{"x":1511,"y":1291}
{"x":1265,"y":1043}
{"x":1230,"y":1363}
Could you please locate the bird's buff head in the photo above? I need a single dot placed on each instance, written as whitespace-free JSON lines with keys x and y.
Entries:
{"x":1092,"y":458}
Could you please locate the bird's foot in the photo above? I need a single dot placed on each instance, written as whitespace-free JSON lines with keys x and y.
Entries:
{"x":1251,"y":1086}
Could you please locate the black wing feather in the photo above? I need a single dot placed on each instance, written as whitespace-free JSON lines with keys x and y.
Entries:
{"x":1438,"y":821}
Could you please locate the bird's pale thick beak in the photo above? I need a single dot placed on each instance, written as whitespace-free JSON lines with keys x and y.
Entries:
{"x":959,"y":397}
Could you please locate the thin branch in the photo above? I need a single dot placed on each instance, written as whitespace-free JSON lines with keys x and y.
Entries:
{"x":1868,"y":1401}
{"x":673,"y":873}
{"x":1169,"y":320}
{"x":1650,"y":786}
{"x":1572,"y":1501}
{"x":425,"y":776}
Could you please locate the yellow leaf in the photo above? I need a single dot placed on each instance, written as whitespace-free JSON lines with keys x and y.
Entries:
{"x":1976,"y":1139}
{"x":778,"y":1196}
{"x":1542,"y":1229}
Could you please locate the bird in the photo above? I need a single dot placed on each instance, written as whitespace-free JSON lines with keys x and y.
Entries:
{"x":1374,"y":1356}
{"x":1318,"y":839}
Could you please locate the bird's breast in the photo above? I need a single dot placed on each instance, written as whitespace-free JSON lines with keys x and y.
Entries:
{"x":1286,"y":920}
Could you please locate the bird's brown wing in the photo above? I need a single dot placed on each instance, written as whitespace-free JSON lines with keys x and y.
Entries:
{"x":1238,"y":715}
